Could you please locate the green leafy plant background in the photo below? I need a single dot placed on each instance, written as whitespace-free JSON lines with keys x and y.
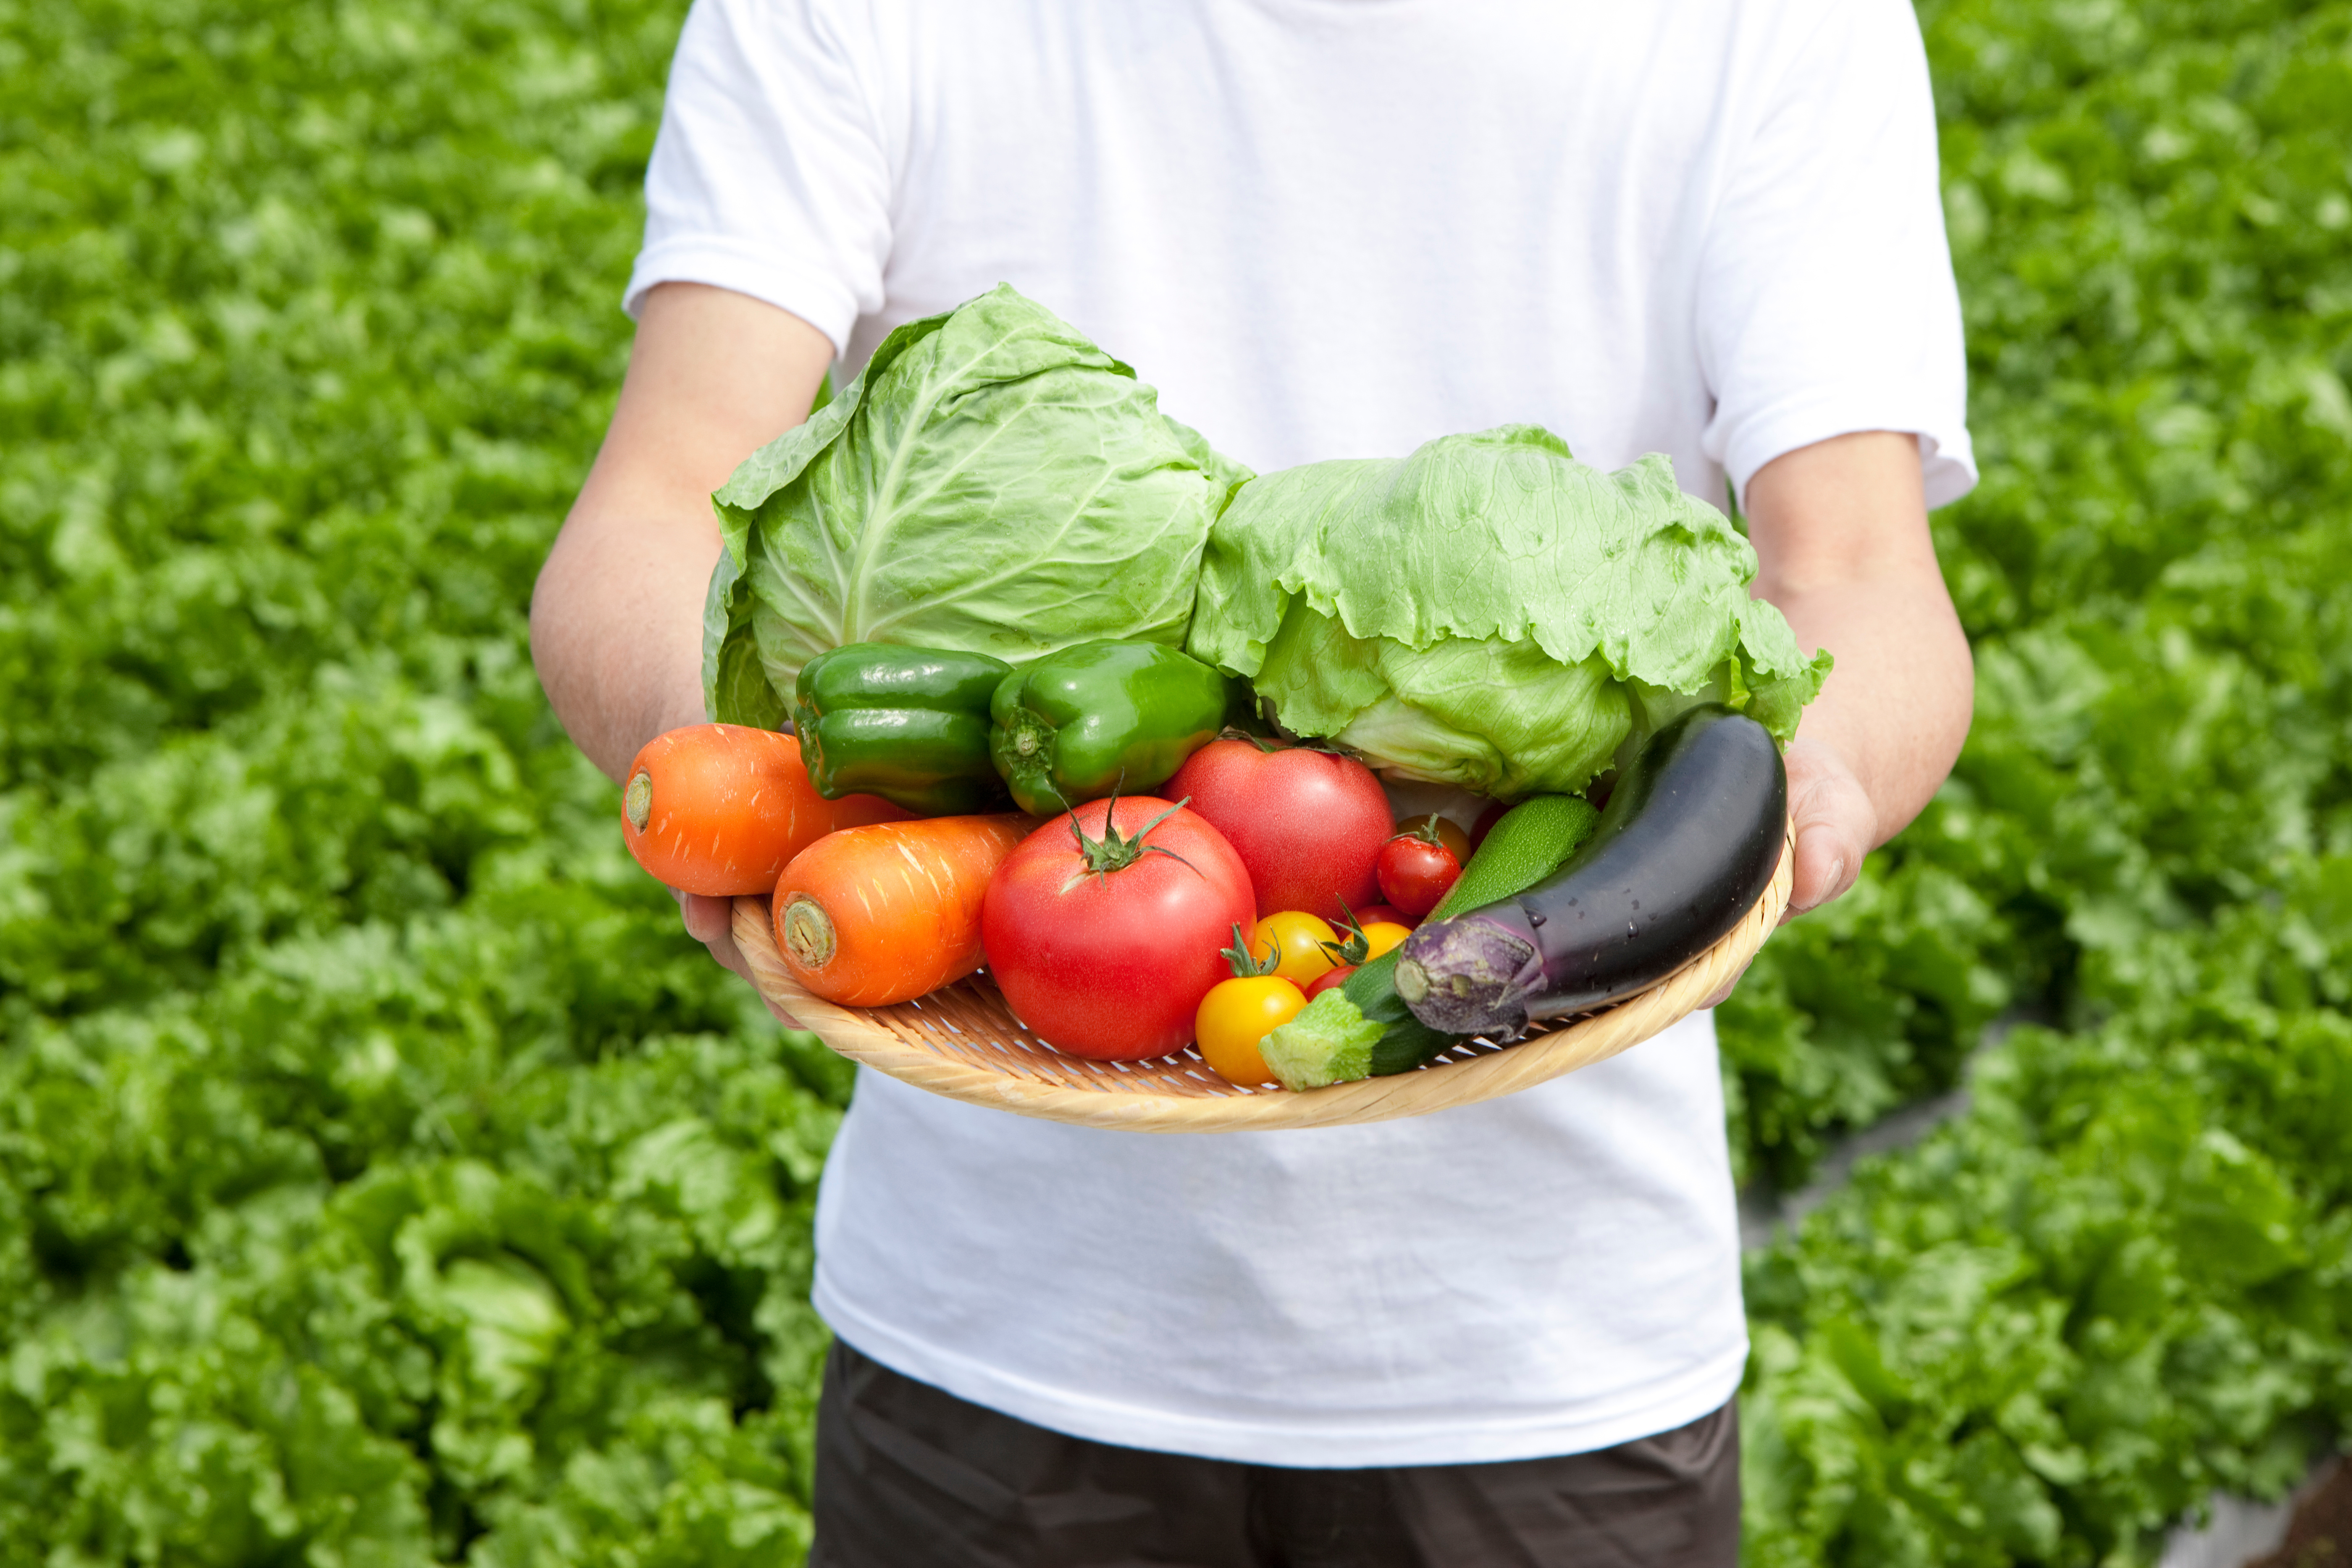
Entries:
{"x":384,"y":1179}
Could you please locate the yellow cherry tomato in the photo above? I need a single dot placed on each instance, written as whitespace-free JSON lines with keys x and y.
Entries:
{"x":1235,"y":1015}
{"x":1296,"y":940}
{"x":1381,"y":935}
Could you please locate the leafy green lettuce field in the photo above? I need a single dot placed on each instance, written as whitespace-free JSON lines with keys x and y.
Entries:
{"x":2126,"y":1278}
{"x":384,"y":1180}
{"x":382,"y":1177}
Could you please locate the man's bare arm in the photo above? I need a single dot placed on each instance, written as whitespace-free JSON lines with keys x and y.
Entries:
{"x":1841,"y":528}
{"x":616,"y":619}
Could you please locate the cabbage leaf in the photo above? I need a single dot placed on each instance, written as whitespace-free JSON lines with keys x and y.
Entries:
{"x":991,"y":481}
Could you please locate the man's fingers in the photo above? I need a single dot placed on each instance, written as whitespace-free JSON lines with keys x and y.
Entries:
{"x":1726,"y":988}
{"x":1829,"y":858}
{"x":711,"y":922}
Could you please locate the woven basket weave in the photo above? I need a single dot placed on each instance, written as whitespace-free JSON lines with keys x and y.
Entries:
{"x":963,"y":1041}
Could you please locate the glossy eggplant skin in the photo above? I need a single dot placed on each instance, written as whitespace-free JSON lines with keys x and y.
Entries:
{"x":1692,"y":836}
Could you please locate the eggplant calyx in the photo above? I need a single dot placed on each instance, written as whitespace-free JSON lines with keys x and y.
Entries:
{"x":1467,"y":976}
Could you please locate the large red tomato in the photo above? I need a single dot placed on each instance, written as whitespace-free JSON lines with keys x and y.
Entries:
{"x":1104,"y":943}
{"x":1308,"y":825}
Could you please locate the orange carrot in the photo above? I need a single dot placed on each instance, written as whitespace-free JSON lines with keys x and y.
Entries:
{"x":722,"y":809}
{"x":873,"y":915}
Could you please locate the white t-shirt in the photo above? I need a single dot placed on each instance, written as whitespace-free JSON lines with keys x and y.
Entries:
{"x":1329,"y":229}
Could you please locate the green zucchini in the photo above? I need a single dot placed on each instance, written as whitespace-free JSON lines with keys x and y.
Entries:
{"x":1523,"y":848}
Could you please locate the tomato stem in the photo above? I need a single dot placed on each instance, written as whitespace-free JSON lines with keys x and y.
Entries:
{"x":1113,"y":853}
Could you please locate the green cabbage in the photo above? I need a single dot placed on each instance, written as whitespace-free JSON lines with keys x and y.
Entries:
{"x":1490,"y":612}
{"x":991,"y":482}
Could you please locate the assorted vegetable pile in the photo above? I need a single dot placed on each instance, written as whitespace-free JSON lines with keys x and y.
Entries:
{"x":384,"y":1176}
{"x":1103,"y":928}
{"x":1487,"y":612}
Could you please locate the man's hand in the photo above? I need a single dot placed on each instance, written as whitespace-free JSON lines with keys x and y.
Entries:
{"x":1840,"y":531}
{"x":616,"y":619}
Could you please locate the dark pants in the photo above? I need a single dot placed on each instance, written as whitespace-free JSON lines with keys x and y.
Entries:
{"x":908,"y":1476}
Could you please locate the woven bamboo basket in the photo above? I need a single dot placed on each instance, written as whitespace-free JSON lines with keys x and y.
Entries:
{"x":963,"y":1041}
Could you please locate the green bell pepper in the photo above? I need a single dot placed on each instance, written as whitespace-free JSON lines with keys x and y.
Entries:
{"x":1103,"y":718}
{"x":909,"y":725}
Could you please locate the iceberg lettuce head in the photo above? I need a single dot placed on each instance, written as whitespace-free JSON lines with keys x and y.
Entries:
{"x":1490,"y":612}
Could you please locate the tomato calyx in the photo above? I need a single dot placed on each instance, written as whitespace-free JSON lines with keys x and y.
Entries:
{"x":1247,"y":964}
{"x":1111,"y":852}
{"x":1443,"y":832}
{"x":1353,"y":948}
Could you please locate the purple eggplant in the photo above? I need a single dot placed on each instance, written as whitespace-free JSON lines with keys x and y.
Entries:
{"x":1690,"y":840}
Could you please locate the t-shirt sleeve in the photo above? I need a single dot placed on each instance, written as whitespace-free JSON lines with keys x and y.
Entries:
{"x":769,"y":174}
{"x":1826,"y":302}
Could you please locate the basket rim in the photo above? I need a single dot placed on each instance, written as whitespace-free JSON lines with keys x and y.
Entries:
{"x":861,"y":1036}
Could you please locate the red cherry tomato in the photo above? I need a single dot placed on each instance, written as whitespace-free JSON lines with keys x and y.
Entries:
{"x":1307,"y":823}
{"x":1106,"y":951}
{"x":1449,"y":833}
{"x":1384,"y":914}
{"x":1416,"y":873}
{"x":1328,"y":979}
{"x":1486,"y":825}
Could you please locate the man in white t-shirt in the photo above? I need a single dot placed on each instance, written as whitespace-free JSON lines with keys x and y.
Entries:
{"x":1321,"y":228}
